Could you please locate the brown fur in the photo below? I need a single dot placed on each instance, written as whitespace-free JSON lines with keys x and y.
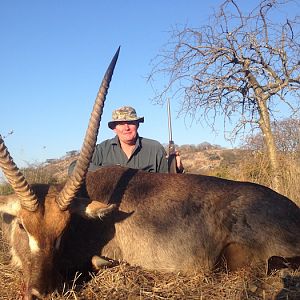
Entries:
{"x":187,"y":222}
{"x":46,"y":225}
{"x":170,"y":222}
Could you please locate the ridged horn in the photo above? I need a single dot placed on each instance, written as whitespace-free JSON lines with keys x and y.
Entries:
{"x":76,"y":179}
{"x":17,"y":180}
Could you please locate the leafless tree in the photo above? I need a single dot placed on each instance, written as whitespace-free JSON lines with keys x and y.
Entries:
{"x":286,"y":134}
{"x":242,"y":66}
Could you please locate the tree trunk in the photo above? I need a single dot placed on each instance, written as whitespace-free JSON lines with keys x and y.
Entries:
{"x":265,"y":126}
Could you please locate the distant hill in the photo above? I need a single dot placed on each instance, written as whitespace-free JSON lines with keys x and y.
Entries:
{"x":59,"y":167}
{"x":235,"y":164}
{"x":196,"y":159}
{"x":205,"y":161}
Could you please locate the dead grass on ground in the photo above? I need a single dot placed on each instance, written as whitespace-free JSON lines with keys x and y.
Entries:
{"x":129,"y":282}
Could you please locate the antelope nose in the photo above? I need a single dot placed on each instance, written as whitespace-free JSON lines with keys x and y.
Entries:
{"x":36,"y":294}
{"x":30,"y":293}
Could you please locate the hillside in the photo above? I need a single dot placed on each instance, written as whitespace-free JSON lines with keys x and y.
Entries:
{"x":195,"y":161}
{"x":236,"y":164}
{"x":58,"y":168}
{"x":205,"y":159}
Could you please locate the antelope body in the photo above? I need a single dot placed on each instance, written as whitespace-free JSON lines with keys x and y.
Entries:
{"x":186,"y":222}
{"x":171,"y":222}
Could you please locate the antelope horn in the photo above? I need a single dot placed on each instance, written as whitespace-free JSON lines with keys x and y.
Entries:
{"x":76,"y":179}
{"x":17,"y":180}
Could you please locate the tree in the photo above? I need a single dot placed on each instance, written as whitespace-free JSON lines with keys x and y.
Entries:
{"x":286,"y":134}
{"x":240,"y":65}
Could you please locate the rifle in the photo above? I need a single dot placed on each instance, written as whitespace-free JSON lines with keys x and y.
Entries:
{"x":171,"y":149}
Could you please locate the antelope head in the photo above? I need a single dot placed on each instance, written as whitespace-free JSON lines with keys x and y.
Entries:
{"x":38,"y":214}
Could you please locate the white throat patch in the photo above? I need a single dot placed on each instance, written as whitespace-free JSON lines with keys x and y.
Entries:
{"x":33,"y":244}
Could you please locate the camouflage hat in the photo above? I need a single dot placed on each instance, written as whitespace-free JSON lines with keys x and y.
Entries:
{"x":125,"y":113}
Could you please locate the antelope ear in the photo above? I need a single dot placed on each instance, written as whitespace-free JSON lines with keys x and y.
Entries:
{"x":91,"y":209}
{"x":10,"y":204}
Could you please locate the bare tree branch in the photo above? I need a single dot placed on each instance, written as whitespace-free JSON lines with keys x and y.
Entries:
{"x":240,"y":66}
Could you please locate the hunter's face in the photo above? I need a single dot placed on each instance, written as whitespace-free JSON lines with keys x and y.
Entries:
{"x":127,"y":131}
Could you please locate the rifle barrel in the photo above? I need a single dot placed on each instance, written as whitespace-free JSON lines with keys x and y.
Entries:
{"x":169,"y":120}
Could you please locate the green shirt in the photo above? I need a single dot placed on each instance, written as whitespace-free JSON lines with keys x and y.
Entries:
{"x":148,"y":155}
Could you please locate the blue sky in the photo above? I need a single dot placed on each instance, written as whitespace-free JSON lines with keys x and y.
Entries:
{"x":52,"y":58}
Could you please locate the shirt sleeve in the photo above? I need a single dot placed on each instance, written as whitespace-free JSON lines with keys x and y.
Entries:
{"x":162,"y":161}
{"x":94,"y":164}
{"x":97,"y":159}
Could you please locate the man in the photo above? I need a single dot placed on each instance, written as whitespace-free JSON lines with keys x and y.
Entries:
{"x":128,"y":149}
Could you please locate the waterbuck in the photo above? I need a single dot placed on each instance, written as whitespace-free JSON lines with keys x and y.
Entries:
{"x":36,"y":216}
{"x":168,"y":222}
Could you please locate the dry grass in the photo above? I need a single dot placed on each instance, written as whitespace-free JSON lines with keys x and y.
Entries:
{"x":131,"y":282}
{"x":244,"y":165}
{"x":256,"y":169}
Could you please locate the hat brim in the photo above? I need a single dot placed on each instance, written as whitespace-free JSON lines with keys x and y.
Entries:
{"x":112,"y":124}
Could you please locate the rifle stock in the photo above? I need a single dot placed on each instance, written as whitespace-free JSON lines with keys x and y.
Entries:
{"x":172,"y":162}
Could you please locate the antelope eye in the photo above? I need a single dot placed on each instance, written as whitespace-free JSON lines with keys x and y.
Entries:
{"x":21,"y":225}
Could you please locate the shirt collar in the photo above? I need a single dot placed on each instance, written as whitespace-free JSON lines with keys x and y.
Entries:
{"x":138,"y":144}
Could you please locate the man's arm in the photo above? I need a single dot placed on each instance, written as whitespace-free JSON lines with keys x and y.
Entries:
{"x":162,"y":161}
{"x":179,"y":165}
{"x":96,"y":161}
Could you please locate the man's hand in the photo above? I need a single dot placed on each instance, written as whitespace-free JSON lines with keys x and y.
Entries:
{"x":179,"y":165}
